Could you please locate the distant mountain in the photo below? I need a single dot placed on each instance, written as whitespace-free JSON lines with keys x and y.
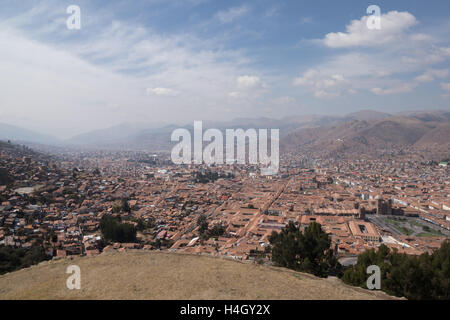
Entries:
{"x":107,"y":136}
{"x":430,"y":116}
{"x":368,"y":115}
{"x":158,"y":139}
{"x":18,"y":134}
{"x":438,"y":136}
{"x":361,"y":132}
{"x":422,"y":131}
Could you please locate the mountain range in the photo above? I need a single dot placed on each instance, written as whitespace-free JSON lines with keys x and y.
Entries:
{"x":18,"y":134}
{"x":362,"y":131}
{"x":420,"y":131}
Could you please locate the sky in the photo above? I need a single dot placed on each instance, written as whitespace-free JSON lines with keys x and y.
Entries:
{"x":174,"y":61}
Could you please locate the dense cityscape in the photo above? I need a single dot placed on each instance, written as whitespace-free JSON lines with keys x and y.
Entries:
{"x":58,"y":202}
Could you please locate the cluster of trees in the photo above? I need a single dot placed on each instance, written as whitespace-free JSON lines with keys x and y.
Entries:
{"x":414,"y":277}
{"x":209,"y":176}
{"x":308,"y":251}
{"x":426,"y":276}
{"x":12,"y":259}
{"x":113,"y":230}
{"x":206,"y":232}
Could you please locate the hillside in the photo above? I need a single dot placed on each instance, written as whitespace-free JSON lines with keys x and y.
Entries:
{"x":157,"y":275}
{"x":368,"y":115}
{"x":14,"y":133}
{"x":421,"y":131}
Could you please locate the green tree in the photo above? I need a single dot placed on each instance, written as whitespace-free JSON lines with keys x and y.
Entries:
{"x":414,"y":277}
{"x":202,"y":226}
{"x":12,"y":259}
{"x":308,"y":251}
{"x":113,"y":230}
{"x":217,"y":230}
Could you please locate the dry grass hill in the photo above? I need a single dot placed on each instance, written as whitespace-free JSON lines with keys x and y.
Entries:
{"x":157,"y":275}
{"x":418,"y":132}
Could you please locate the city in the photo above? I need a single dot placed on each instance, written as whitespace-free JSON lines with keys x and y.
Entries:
{"x":361,"y":203}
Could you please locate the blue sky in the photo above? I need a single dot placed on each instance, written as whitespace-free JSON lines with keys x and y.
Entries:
{"x":177,"y":61}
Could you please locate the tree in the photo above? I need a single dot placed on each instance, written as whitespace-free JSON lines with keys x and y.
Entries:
{"x":113,"y":230}
{"x":12,"y":259}
{"x":414,"y":277}
{"x":217,"y":230}
{"x":308,"y":251}
{"x":203,"y":225}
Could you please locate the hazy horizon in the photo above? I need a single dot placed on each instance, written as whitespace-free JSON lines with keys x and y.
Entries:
{"x":180,"y":61}
{"x":181,"y":124}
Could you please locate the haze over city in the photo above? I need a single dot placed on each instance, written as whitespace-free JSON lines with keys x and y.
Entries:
{"x":173,"y":62}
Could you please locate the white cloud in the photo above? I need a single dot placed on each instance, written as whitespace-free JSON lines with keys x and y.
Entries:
{"x":431,"y":74}
{"x":249,"y":82}
{"x":393,"y":25}
{"x":165,"y":92}
{"x":235,"y":94}
{"x":248,"y":87}
{"x":321,"y":84}
{"x":227,"y":16}
{"x":421,"y":37}
{"x":102,"y":78}
{"x":393,"y":90}
{"x":385,"y":70}
{"x":283,"y":100}
{"x":307,"y":78}
{"x":445,"y":86}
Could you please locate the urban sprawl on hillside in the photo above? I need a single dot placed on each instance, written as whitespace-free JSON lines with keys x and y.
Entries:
{"x":57,"y":202}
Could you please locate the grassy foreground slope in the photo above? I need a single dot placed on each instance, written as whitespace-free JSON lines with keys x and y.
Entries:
{"x":157,"y":275}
